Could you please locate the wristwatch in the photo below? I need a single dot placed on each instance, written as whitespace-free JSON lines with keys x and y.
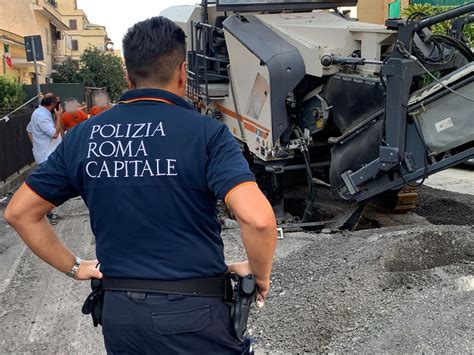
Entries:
{"x":72,"y":273}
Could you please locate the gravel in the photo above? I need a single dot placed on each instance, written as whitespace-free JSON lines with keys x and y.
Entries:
{"x":400,"y":288}
{"x":404,"y":289}
{"x":378,"y":290}
{"x":444,"y":207}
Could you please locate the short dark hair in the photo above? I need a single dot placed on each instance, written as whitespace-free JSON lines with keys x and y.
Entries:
{"x":153,"y":50}
{"x":49,"y":99}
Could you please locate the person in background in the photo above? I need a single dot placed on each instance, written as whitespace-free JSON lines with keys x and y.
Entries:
{"x":73,"y":115}
{"x":102,"y":104}
{"x":45,"y":126}
{"x":44,"y":132}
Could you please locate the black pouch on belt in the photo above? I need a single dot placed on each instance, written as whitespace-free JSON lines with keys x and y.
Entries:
{"x":244,"y":293}
{"x":94,"y":302}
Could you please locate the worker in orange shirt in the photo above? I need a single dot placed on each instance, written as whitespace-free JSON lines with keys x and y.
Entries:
{"x":101,"y":104}
{"x":72,"y":115}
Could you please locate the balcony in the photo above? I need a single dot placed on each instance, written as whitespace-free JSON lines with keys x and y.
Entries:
{"x":48,"y":8}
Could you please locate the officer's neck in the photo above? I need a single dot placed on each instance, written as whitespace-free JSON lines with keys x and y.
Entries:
{"x":175,"y":89}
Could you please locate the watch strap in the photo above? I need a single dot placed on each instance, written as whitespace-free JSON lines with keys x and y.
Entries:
{"x":75,"y":268}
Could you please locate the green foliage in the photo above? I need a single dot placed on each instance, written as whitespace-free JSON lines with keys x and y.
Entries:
{"x":11,"y":94}
{"x":440,"y":28}
{"x":67,"y":72}
{"x":96,"y":68}
{"x":100,"y":69}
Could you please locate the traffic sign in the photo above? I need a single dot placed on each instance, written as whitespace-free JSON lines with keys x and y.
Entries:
{"x":33,"y":45}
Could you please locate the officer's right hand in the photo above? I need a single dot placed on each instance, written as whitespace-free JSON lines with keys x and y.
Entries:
{"x":88,"y":270}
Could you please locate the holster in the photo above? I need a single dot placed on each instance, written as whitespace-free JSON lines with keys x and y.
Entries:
{"x":94,"y":302}
{"x":244,"y":293}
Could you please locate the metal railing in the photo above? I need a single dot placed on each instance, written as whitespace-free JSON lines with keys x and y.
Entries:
{"x":15,"y":146}
{"x":206,"y":65}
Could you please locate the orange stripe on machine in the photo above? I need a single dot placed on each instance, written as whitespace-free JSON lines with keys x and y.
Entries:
{"x":248,"y":124}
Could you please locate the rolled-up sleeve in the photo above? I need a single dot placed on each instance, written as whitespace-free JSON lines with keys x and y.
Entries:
{"x":226,"y":166}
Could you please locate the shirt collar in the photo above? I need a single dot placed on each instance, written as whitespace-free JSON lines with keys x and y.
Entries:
{"x":45,"y":110}
{"x":153,"y":95}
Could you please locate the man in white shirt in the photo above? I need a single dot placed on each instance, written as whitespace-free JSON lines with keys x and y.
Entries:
{"x":43,"y":130}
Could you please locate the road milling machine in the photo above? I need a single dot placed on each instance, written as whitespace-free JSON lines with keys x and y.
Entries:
{"x":318,"y":98}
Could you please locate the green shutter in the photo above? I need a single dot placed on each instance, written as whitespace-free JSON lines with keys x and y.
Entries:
{"x":394,"y":9}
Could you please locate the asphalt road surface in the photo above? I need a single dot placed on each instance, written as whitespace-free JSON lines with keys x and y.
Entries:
{"x":405,"y":287}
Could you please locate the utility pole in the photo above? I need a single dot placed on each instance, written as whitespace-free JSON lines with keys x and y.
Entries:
{"x":38,"y":87}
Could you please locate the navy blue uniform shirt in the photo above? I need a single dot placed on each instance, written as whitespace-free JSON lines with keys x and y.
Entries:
{"x":150,"y":170}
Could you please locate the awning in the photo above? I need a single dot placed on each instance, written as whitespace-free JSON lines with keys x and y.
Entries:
{"x":22,"y":63}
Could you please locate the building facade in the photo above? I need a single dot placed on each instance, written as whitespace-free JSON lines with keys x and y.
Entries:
{"x":64,"y":29}
{"x":35,"y":17}
{"x":377,"y":11}
{"x":12,"y":46}
{"x":81,"y":34}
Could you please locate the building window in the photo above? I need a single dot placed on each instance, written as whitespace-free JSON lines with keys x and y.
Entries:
{"x":73,"y":24}
{"x":75,"y":45}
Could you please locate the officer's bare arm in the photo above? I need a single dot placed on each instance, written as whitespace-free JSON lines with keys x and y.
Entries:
{"x":26,"y":212}
{"x":259,"y":231}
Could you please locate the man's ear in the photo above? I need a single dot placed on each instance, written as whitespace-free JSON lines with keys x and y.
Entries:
{"x":130,"y":84}
{"x":183,"y":74}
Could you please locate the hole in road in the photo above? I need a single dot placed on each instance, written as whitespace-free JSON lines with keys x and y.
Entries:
{"x":427,"y":250}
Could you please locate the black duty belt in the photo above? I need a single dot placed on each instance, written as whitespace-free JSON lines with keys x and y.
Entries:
{"x":237,"y":291}
{"x":206,"y":287}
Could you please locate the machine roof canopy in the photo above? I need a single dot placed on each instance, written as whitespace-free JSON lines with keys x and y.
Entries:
{"x":280,"y":5}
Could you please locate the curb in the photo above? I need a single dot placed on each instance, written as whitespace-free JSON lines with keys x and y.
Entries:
{"x":14,"y":181}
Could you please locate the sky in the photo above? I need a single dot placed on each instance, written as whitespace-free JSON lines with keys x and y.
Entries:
{"x":119,"y":15}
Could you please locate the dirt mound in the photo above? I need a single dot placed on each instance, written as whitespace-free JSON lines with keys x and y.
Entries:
{"x":343,"y":292}
{"x":445,"y":207}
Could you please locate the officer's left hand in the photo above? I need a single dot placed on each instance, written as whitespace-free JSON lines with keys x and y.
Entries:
{"x":88,"y":270}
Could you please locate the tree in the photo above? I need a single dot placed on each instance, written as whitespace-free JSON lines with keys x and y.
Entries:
{"x":11,"y":94}
{"x":67,"y":72}
{"x":100,"y":69}
{"x":95,"y":68}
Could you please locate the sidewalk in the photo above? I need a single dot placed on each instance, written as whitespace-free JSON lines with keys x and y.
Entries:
{"x":40,"y":308}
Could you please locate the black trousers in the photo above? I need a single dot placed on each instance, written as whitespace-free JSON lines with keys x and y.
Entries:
{"x":147,"y":323}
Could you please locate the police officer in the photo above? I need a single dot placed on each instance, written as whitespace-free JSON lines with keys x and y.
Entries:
{"x":151,"y":171}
